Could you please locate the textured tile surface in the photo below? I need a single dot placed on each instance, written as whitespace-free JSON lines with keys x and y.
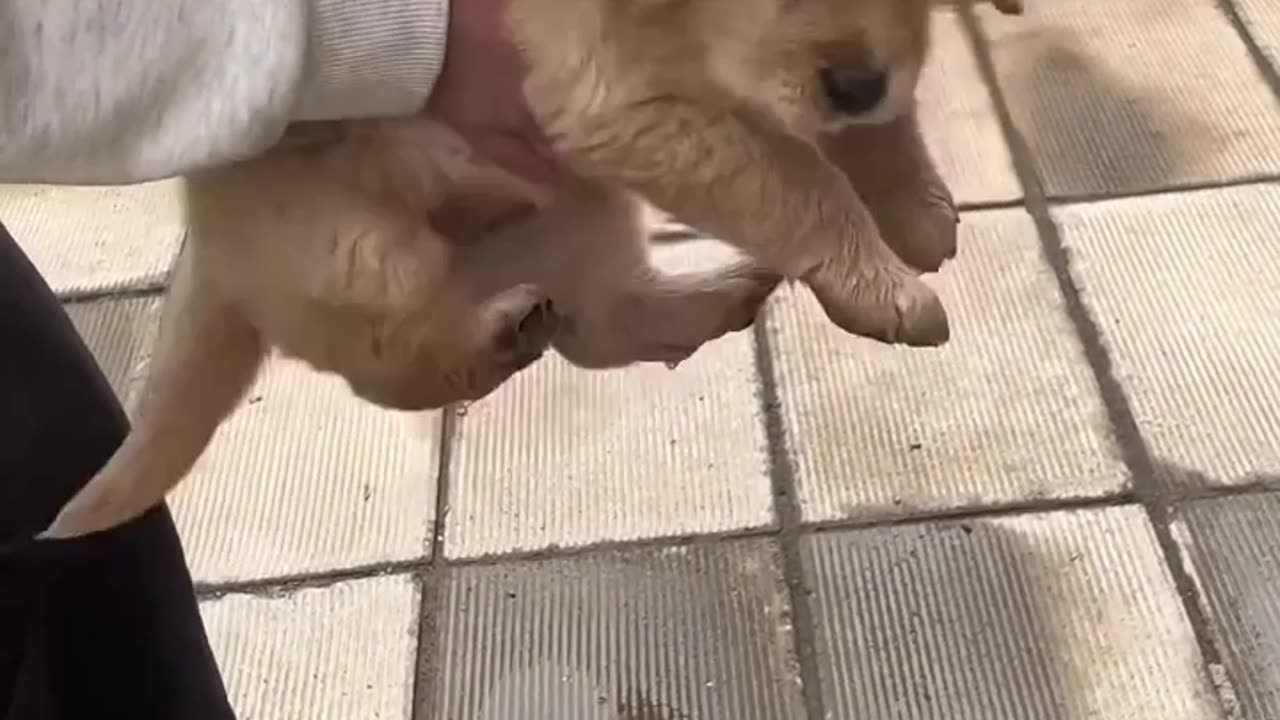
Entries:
{"x":959,"y":122}
{"x":562,"y":456}
{"x":95,"y":239}
{"x":120,"y":333}
{"x":1234,"y":546}
{"x":1185,"y":290}
{"x":694,"y":632}
{"x":1006,"y":412}
{"x":1049,"y":617}
{"x":1262,"y":19}
{"x":1135,"y":95}
{"x":305,"y":477}
{"x":1059,"y":616}
{"x":334,"y":653}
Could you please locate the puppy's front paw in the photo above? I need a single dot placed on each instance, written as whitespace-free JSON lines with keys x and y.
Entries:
{"x":728,"y":304}
{"x":919,"y":224}
{"x":886,"y":303}
{"x":894,"y":174}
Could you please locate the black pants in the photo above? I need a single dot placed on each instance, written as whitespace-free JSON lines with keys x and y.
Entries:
{"x":104,"y":626}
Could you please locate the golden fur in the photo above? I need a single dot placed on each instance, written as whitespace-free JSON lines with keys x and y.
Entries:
{"x":711,"y":109}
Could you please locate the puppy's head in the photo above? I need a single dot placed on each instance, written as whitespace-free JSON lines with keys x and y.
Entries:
{"x":819,"y":65}
{"x":822,"y":65}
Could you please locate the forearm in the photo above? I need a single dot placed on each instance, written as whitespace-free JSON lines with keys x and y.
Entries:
{"x":113,"y":91}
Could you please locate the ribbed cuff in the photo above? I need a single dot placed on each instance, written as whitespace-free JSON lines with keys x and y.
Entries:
{"x":372,"y":58}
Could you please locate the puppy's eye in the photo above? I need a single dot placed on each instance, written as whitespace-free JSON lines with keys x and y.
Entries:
{"x":854,"y":90}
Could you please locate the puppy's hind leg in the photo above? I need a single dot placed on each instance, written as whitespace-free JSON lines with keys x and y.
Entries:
{"x":207,"y":355}
{"x":665,"y":317}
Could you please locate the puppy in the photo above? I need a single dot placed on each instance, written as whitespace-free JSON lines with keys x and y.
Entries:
{"x":323,"y":248}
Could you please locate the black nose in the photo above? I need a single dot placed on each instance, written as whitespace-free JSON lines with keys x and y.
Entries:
{"x":854,"y":91}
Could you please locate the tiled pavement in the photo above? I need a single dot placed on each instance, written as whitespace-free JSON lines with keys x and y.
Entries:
{"x":1064,"y":514}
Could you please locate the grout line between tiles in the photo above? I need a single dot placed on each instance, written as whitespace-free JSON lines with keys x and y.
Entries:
{"x":271,"y":586}
{"x":285,"y":584}
{"x":1157,"y":500}
{"x":1260,"y":60}
{"x":679,"y":233}
{"x":148,"y":288}
{"x":812,"y":527}
{"x":1186,"y":187}
{"x":1218,"y":492}
{"x":432,"y":584}
{"x":786,"y":503}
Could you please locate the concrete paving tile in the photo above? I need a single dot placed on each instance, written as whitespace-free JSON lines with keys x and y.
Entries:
{"x":1184,"y":290}
{"x":1262,"y":20}
{"x":1138,"y":95}
{"x":689,"y":632}
{"x":959,"y":120}
{"x":120,"y":333}
{"x":1233,"y":546}
{"x":95,"y":239}
{"x":336,"y":653}
{"x":565,"y":457}
{"x":1036,"y":617}
{"x":305,"y":477}
{"x":1007,"y":411}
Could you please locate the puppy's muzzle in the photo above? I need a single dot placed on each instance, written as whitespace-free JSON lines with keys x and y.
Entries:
{"x":855,"y":90}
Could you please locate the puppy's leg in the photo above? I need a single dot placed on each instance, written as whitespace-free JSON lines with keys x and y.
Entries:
{"x":773,"y":196}
{"x":206,"y":357}
{"x":653,"y":316}
{"x":891,"y":169}
{"x":590,"y":253}
{"x":630,"y":311}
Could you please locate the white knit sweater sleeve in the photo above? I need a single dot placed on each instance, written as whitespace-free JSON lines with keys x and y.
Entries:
{"x":119,"y":91}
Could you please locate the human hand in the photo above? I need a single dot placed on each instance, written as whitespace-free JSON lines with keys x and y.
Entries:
{"x":479,"y":94}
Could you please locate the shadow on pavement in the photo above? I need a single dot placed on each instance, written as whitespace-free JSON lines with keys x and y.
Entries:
{"x":953,"y":620}
{"x":1183,"y":479}
{"x":1092,"y":132}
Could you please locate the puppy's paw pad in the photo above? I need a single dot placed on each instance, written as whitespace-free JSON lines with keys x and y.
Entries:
{"x":529,"y":334}
{"x":539,"y":323}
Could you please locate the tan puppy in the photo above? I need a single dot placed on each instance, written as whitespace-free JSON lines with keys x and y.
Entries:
{"x":709,"y":108}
